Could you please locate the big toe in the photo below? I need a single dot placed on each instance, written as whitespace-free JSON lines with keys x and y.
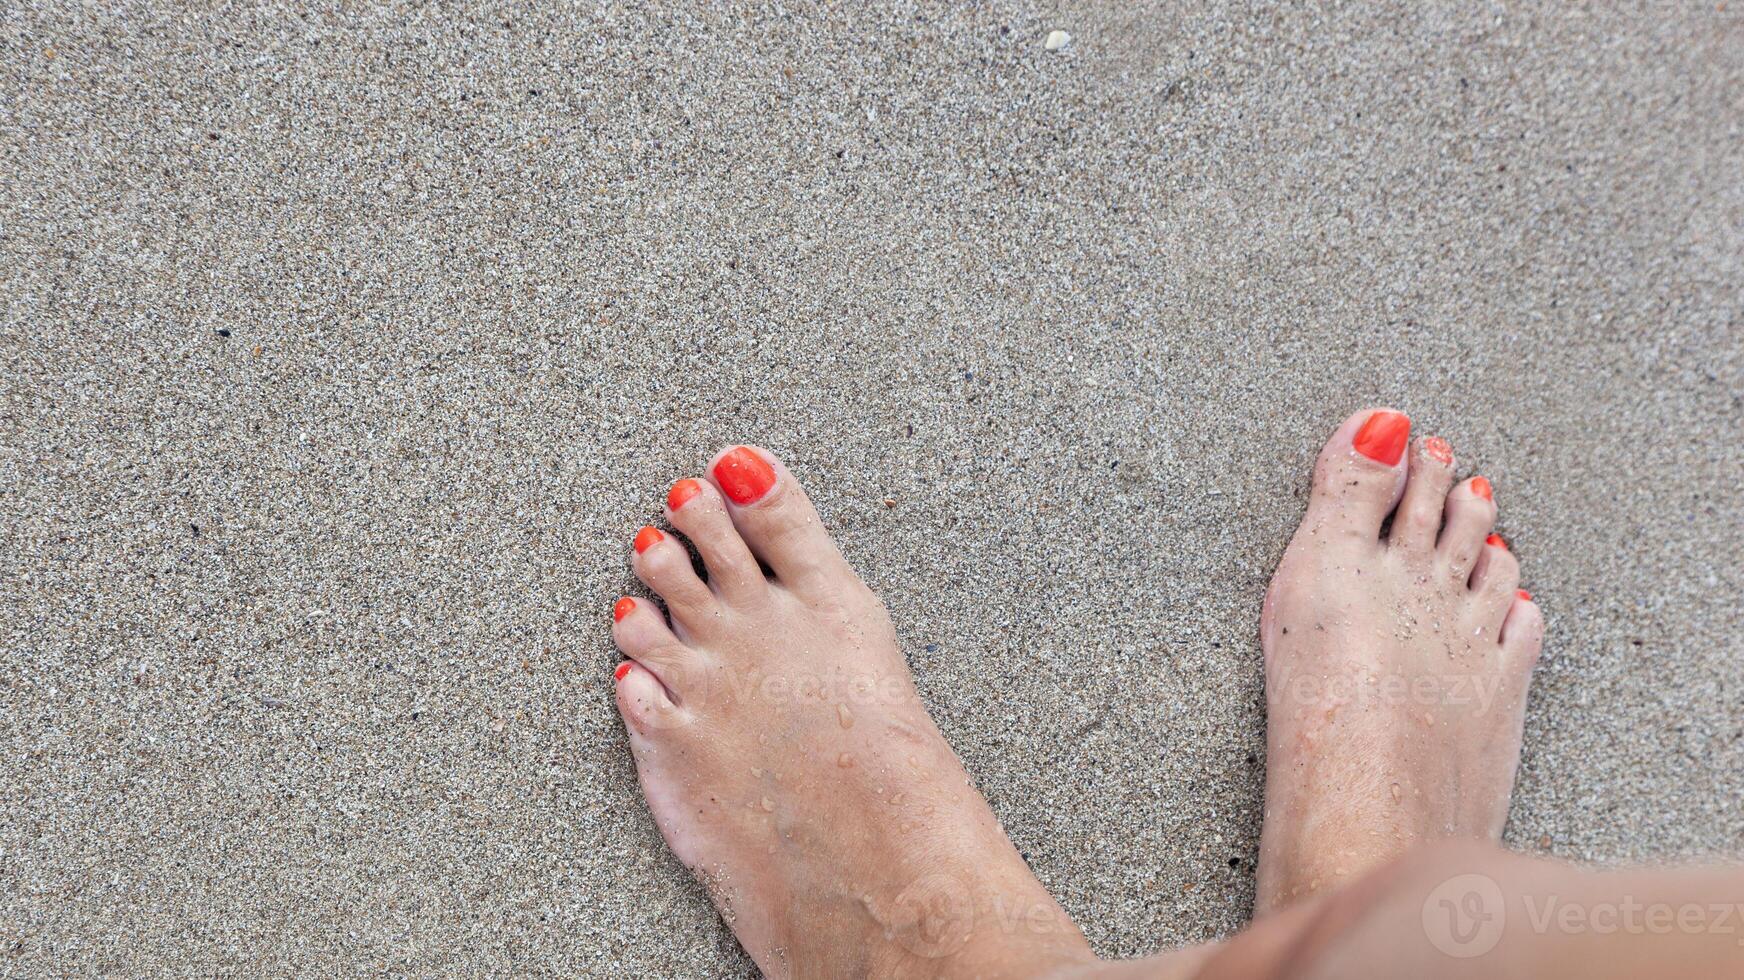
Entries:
{"x":778,"y":521}
{"x":1360,"y":474}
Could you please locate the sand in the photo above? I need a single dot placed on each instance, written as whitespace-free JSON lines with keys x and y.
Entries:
{"x":343,"y":355}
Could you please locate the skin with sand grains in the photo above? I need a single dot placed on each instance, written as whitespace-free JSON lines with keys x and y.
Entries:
{"x":1397,"y":664}
{"x":790,"y":765}
{"x":789,"y":762}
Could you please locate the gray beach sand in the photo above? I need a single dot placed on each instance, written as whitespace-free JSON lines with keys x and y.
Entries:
{"x":343,"y":355}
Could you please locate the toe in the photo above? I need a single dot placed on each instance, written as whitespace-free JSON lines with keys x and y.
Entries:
{"x":1494,"y":583}
{"x":1418,"y":518}
{"x":663,"y":565}
{"x":777,"y":520}
{"x":641,"y":633}
{"x":642,"y":699}
{"x":1523,"y":629}
{"x":1469,"y":515}
{"x":697,"y":509}
{"x":1360,"y":473}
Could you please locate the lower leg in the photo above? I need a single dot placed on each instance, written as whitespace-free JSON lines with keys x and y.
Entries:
{"x":1472,"y":911}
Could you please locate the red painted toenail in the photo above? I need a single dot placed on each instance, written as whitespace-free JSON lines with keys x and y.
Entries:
{"x":1496,"y":541}
{"x":623,"y":668}
{"x":623,"y":607}
{"x":1438,"y":450}
{"x":681,"y":493}
{"x":1522,"y":593}
{"x":1382,"y":437}
{"x":647,"y":538}
{"x":744,"y":475}
{"x":1481,"y":488}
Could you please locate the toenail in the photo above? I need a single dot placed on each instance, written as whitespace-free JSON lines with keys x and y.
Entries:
{"x":623,"y":608}
{"x":1439,"y":450}
{"x":647,"y":538}
{"x":744,"y":475}
{"x":1382,"y":437}
{"x":1522,"y":593}
{"x":1481,"y":488}
{"x":623,"y":668}
{"x":681,"y":493}
{"x":1497,"y":541}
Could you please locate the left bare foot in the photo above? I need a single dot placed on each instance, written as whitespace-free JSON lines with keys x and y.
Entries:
{"x":790,"y":764}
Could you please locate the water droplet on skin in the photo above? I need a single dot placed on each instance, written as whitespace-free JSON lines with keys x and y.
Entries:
{"x":844,"y":716}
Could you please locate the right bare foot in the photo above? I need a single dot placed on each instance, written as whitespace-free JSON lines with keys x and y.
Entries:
{"x":1396,"y":665}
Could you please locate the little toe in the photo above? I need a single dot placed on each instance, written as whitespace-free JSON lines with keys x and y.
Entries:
{"x":663,"y":565}
{"x":1360,"y":474}
{"x":1494,"y":582}
{"x":1418,"y":518}
{"x":1469,"y":515}
{"x":642,"y":700}
{"x":777,"y":520}
{"x":697,"y":509}
{"x":1523,"y":629}
{"x":641,"y":634}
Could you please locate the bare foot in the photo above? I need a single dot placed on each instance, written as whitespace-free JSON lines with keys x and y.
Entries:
{"x":790,"y":764}
{"x":1396,"y":663}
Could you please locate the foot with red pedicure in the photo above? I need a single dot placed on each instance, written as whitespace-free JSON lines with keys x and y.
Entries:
{"x":790,"y":764}
{"x":1398,"y":649}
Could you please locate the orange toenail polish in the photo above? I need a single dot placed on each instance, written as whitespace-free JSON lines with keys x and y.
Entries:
{"x":744,"y":475}
{"x":681,"y":493}
{"x":1382,"y":437}
{"x":1496,"y":541}
{"x":1438,"y":450}
{"x":1481,"y":487}
{"x":1522,"y":593}
{"x":647,"y":538}
{"x":623,"y":607}
{"x":623,"y":668}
